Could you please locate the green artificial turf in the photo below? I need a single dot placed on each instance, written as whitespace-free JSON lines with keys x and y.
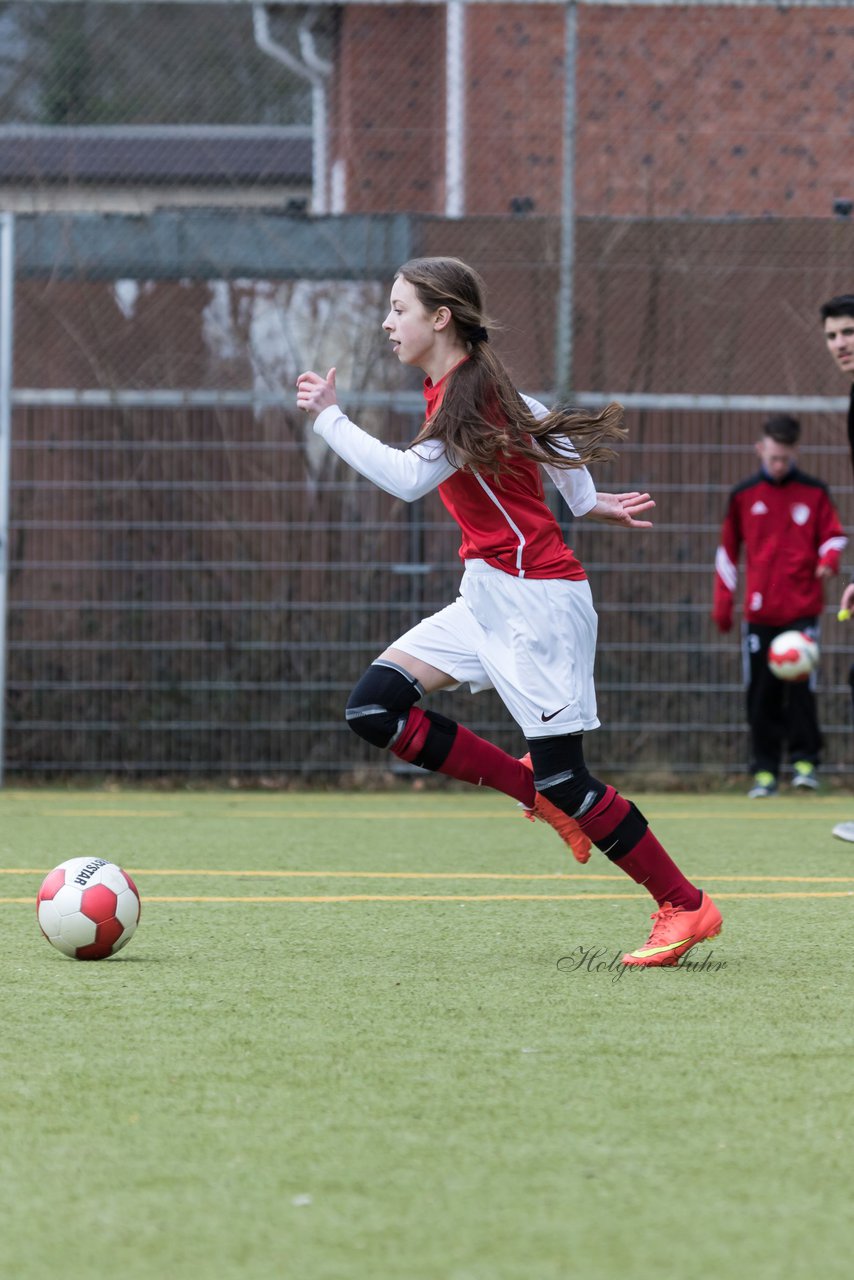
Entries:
{"x":405,"y":1083}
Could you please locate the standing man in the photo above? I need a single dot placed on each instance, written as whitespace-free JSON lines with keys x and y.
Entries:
{"x":837,"y":318}
{"x":793,"y":539}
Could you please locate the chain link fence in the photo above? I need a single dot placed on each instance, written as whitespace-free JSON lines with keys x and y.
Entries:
{"x":209,"y":198}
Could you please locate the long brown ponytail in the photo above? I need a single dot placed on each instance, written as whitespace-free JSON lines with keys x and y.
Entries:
{"x":482,"y":421}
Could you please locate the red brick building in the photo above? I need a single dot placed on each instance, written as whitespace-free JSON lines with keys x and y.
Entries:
{"x":698,"y":111}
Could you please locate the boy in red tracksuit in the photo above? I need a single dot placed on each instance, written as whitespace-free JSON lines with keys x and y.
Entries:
{"x":793,"y":540}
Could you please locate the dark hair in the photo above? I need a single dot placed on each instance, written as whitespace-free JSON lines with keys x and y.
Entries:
{"x":841,"y":305}
{"x":483,"y":421}
{"x":783,"y":430}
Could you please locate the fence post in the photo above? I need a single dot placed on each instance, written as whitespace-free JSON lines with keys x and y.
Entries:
{"x":7,"y":298}
{"x":563,"y":326}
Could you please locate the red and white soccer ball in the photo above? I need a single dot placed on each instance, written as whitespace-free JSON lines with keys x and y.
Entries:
{"x":88,"y":908}
{"x":792,"y":655}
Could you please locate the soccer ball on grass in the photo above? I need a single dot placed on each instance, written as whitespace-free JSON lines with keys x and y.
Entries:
{"x":88,"y":908}
{"x":792,"y":655}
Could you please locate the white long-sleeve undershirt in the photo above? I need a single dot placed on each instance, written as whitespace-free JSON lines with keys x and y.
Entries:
{"x":411,"y":473}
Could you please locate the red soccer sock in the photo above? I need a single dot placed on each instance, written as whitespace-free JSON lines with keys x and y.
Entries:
{"x":647,"y":862}
{"x":470,"y":759}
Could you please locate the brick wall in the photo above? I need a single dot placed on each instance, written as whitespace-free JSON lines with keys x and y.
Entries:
{"x":388,"y":113}
{"x":709,"y":112}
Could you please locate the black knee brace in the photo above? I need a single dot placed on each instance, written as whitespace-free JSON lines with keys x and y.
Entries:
{"x":626,"y":835}
{"x":428,"y":741}
{"x":561,"y":774}
{"x":381,"y":701}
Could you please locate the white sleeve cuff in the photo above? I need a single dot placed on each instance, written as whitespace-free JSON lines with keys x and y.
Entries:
{"x":576,"y":487}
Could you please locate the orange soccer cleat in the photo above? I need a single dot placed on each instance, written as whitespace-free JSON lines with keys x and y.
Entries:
{"x":566,"y":827}
{"x":676,"y":931}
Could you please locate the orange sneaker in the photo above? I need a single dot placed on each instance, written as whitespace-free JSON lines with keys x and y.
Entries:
{"x":566,"y":827}
{"x":676,"y":931}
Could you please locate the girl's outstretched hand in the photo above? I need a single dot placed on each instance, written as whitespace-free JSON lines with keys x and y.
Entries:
{"x":314,"y":394}
{"x":622,"y":508}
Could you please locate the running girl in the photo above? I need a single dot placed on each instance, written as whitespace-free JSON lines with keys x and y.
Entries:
{"x":524,"y":622}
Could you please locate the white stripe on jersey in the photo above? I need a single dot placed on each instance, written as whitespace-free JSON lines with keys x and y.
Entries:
{"x":518,"y":532}
{"x":833,"y":544}
{"x":727,"y":571}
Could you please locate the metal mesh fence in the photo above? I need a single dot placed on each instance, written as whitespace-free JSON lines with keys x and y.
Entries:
{"x":187,"y":598}
{"x":209,"y":198}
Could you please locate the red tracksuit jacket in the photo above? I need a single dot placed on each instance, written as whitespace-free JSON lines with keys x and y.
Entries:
{"x":787,"y":529}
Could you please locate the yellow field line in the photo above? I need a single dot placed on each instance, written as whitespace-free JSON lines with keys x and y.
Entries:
{"x":349,"y":815}
{"x":452,"y":897}
{"x":439,"y":875}
{"x":486,"y":875}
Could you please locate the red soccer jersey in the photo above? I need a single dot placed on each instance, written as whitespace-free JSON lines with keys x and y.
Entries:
{"x":505,"y":520}
{"x":788,"y":529}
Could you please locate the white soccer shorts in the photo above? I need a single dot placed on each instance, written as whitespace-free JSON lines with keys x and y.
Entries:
{"x":533,"y":640}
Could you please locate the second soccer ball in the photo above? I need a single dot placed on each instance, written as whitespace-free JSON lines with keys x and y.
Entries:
{"x":792,"y":655}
